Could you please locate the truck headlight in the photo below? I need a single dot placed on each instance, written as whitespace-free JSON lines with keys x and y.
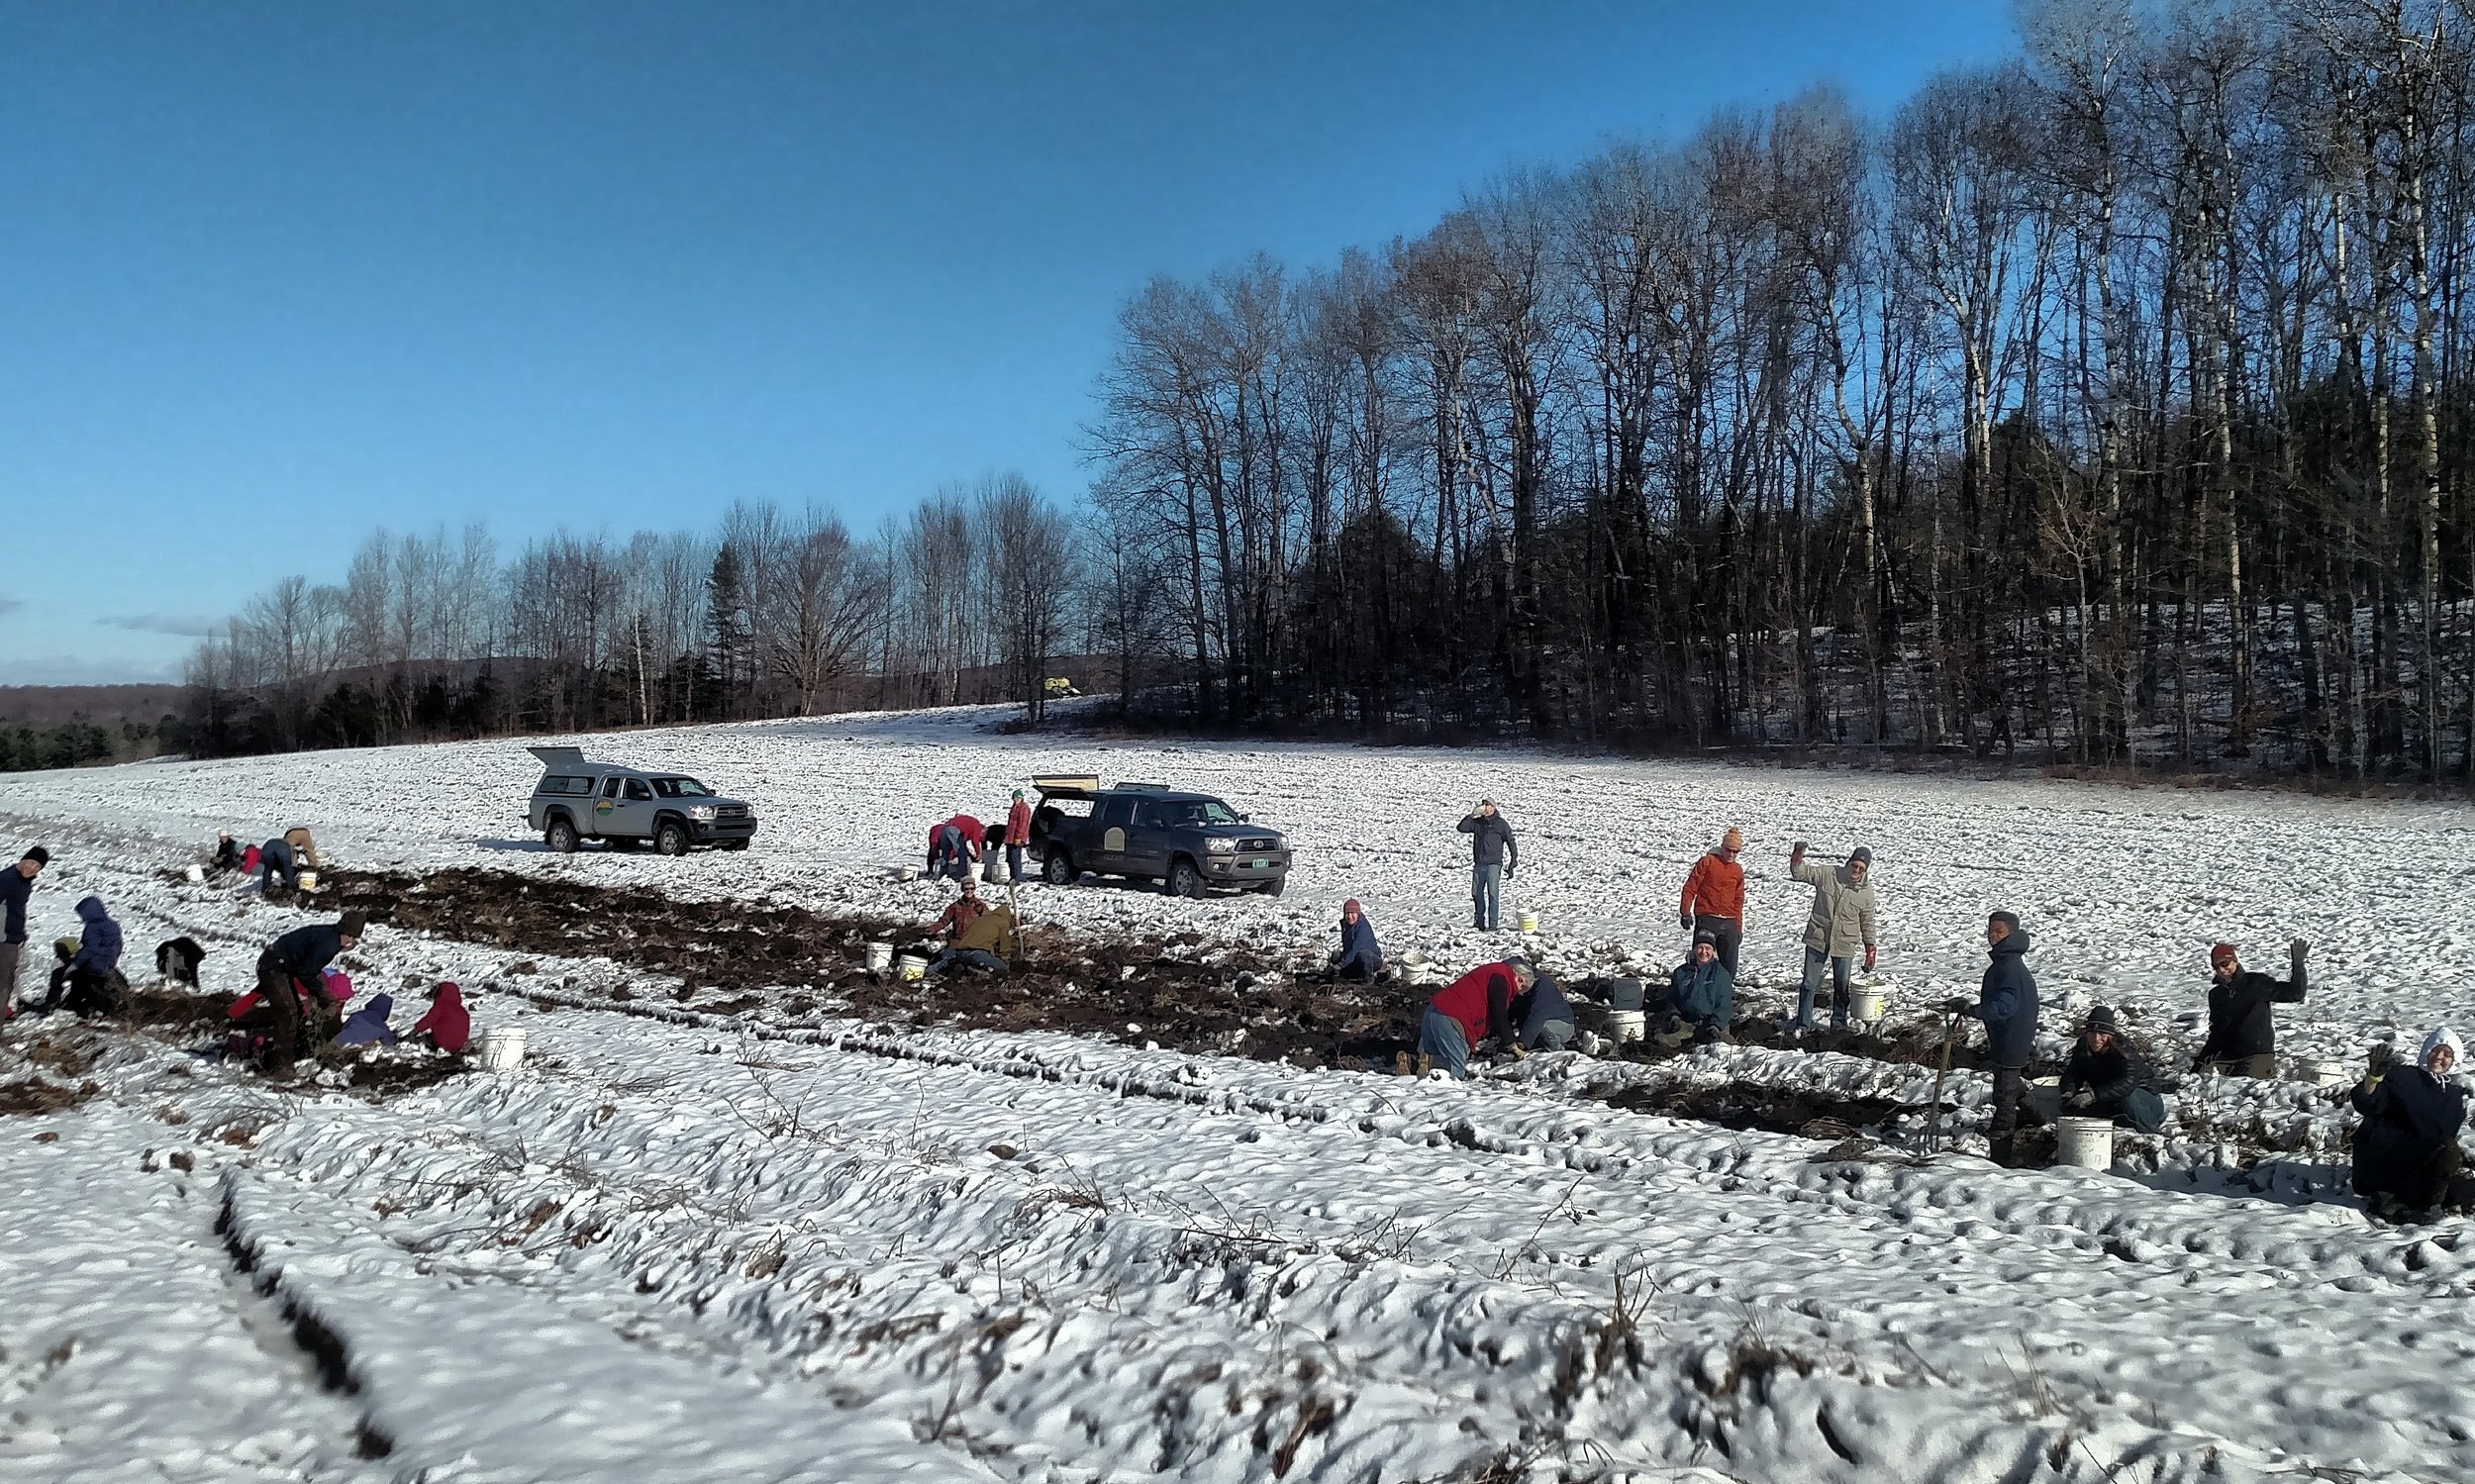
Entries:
{"x":1219,"y":847}
{"x":701,"y":813}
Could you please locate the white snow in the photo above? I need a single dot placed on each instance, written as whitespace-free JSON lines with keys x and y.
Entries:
{"x":682,"y":1246}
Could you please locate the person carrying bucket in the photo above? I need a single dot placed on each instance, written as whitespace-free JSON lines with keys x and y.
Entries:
{"x":2006,"y":1003}
{"x":2106,"y":1077}
{"x":2406,"y":1149}
{"x":1493,"y":853}
{"x":1714,"y":899}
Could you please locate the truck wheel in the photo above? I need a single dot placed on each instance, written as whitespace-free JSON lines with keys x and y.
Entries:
{"x":670,"y":838}
{"x":1184,"y":879}
{"x":734,"y":845}
{"x":560,"y":837}
{"x":1274,"y":888}
{"x":1057,"y":871}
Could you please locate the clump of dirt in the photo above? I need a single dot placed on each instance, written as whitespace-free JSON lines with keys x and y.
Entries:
{"x":173,"y":1012}
{"x":384,"y":1081}
{"x":771,"y":955}
{"x":29,"y":1095}
{"x":1775,"y":1110}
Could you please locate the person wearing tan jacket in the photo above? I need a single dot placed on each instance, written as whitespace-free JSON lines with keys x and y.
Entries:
{"x":1714,"y":898}
{"x":304,"y":848}
{"x":1841,"y":923}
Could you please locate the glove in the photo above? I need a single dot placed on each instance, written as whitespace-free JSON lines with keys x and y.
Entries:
{"x":2382,"y":1054}
{"x":1684,"y":920}
{"x":2081,"y":1098}
{"x":1957,"y":1006}
{"x":1868,"y":958}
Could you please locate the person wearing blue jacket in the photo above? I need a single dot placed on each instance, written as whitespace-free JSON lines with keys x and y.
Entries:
{"x":1701,"y":996}
{"x":291,"y":966}
{"x":17,"y":884}
{"x":275,"y":862}
{"x":1359,"y":955}
{"x":1545,"y":1016}
{"x":91,"y":978}
{"x":2006,"y":1003}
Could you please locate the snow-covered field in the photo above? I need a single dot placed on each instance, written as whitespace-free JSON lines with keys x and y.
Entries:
{"x":682,"y":1246}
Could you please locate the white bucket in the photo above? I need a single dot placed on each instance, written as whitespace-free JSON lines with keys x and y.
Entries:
{"x":906,"y":874}
{"x":1867,"y":1006}
{"x":502,"y":1049}
{"x":912,"y":965}
{"x":1626,"y":1025}
{"x":309,"y":881}
{"x":2084,"y":1143}
{"x":2329,"y":1073}
{"x":880,"y":954}
{"x":1530,"y":922}
{"x":196,"y":874}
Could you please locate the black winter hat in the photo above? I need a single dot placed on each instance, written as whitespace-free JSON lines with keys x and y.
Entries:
{"x":39,"y":855}
{"x":2008,"y":920}
{"x":1863,"y":854}
{"x":2101,"y":1018}
{"x":1705,"y":935}
{"x":352,"y":923}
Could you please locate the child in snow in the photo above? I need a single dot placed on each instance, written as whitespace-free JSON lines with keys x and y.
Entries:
{"x":447,"y":1024}
{"x":2406,"y":1151}
{"x":2107,"y":1079}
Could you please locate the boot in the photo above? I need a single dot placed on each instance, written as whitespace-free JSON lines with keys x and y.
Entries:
{"x":1425,"y":1064}
{"x":1400,"y":1063}
{"x":2005,"y":1153}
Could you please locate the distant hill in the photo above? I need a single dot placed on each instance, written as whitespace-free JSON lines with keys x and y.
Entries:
{"x":101,"y":705}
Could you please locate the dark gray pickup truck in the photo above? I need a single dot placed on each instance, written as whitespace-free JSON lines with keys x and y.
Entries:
{"x":1148,"y":830}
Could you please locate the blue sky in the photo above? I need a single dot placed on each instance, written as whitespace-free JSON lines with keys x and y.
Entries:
{"x":273,"y":275}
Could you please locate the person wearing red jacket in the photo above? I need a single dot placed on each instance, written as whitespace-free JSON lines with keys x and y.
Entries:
{"x":1476,"y":1006}
{"x":1017,"y":835}
{"x":955,"y":845}
{"x":1714,"y":899}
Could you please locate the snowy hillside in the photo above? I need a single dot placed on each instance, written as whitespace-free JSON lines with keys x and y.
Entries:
{"x":742,"y":1217}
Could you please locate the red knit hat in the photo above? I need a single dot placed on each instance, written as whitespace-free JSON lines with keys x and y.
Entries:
{"x":2224,"y":953}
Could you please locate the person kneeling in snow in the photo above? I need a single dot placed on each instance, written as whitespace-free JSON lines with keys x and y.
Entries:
{"x":1701,"y":996}
{"x":1545,"y":1016}
{"x":2107,"y":1079}
{"x":988,"y":945}
{"x":1476,"y":1007}
{"x":2406,"y":1151}
{"x":447,"y":1024}
{"x":1360,"y":957}
{"x":89,"y":982}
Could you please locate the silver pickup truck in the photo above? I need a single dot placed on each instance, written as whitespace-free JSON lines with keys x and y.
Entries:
{"x":577,"y":801}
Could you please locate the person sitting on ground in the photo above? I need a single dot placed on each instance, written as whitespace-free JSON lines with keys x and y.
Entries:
{"x":277,"y":868}
{"x":294,"y":966}
{"x":2107,"y":1079}
{"x":961,"y":913}
{"x":368,"y":1024}
{"x":1701,"y":996}
{"x":447,"y":1024}
{"x":2242,"y":1036}
{"x":1544,"y":1015}
{"x":227,"y":852}
{"x":90,"y":982}
{"x":177,"y":960}
{"x":1476,"y":1007}
{"x":1359,"y":958}
{"x":988,"y":945}
{"x":2406,"y":1151}
{"x":2006,"y":1003}
{"x":1841,"y":923}
{"x":1714,"y":898}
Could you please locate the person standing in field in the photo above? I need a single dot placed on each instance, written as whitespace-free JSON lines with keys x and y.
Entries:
{"x":1493,"y":855}
{"x":1714,"y":899}
{"x":1018,"y":836}
{"x":2242,"y":1036}
{"x":1841,"y":923}
{"x":2006,"y":1003}
{"x":17,"y":884}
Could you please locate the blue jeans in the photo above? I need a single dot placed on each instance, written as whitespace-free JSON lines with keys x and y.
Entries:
{"x":1815,"y":958}
{"x":950,"y":959}
{"x":1551,"y":1035}
{"x":1442,"y":1041}
{"x":276,"y":861}
{"x":1486,"y":895}
{"x":1014,"y":862}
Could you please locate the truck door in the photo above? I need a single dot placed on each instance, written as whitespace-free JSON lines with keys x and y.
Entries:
{"x":635,"y":810}
{"x":1147,"y":842}
{"x":605,"y":819}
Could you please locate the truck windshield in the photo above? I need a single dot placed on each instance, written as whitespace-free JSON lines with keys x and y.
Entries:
{"x":1186,"y":813}
{"x":681,"y":788}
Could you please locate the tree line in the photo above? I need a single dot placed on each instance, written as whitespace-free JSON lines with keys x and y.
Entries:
{"x":2109,"y":403}
{"x":773,"y":613}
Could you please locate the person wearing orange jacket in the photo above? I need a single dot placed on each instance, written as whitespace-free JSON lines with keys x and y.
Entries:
{"x":1017,"y":835}
{"x":1714,"y":899}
